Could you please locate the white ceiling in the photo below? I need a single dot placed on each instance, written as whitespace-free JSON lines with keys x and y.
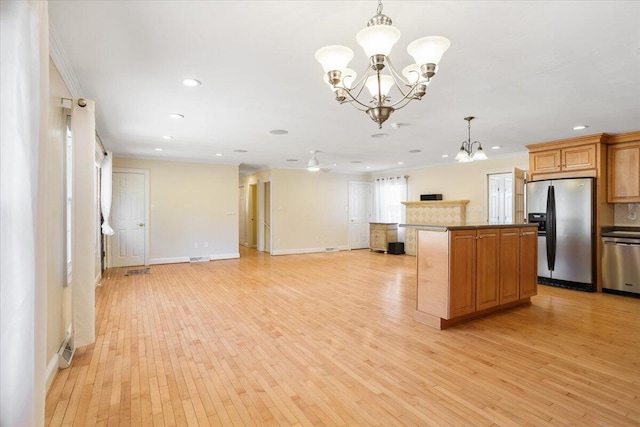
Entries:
{"x":528,"y":70}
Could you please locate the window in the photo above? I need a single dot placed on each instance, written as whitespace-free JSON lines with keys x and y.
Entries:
{"x":389,"y":193}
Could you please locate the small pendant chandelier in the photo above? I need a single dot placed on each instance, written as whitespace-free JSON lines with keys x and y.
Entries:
{"x":377,"y":39}
{"x":466,"y":153}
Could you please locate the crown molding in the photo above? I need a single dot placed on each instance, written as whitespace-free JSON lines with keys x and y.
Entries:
{"x":61,"y":61}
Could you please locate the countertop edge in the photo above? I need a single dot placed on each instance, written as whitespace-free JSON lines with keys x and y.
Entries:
{"x":443,"y":228}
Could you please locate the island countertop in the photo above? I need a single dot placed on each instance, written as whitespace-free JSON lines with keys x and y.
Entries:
{"x":465,"y":226}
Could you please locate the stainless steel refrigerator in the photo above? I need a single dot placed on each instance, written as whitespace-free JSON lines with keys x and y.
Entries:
{"x":564,"y":212}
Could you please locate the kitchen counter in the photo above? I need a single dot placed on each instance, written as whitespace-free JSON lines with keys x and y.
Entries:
{"x":628,"y":232}
{"x":466,"y":271}
{"x":465,"y":226}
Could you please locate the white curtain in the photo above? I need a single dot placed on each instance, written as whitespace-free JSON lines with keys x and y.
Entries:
{"x":106,"y":193}
{"x":84,"y":226}
{"x":389,"y":193}
{"x":24,"y":88}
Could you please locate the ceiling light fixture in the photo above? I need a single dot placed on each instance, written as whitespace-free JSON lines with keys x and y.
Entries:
{"x":496,"y":147}
{"x":466,"y":153}
{"x":176,"y":116}
{"x":580,"y":127}
{"x":191,"y":82}
{"x":167,"y":137}
{"x":377,"y":39}
{"x":158,"y":149}
{"x":279,"y":131}
{"x":218,"y":154}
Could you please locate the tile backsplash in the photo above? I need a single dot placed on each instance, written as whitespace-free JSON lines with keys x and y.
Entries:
{"x":626,"y":214}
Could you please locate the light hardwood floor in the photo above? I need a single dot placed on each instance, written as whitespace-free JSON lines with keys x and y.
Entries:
{"x":328,"y":339}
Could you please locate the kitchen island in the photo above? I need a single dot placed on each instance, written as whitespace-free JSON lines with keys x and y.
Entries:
{"x":470,"y":270}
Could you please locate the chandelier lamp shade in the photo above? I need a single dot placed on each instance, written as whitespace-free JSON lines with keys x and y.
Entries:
{"x":467,"y":153}
{"x":380,"y":77}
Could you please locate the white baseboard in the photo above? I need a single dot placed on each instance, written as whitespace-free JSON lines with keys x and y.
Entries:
{"x":306,"y":250}
{"x":52,"y":370}
{"x":98,"y":279}
{"x":186,"y":258}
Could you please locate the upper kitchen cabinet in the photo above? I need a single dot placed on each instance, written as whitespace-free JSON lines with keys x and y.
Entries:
{"x":568,"y":158}
{"x":624,"y":168}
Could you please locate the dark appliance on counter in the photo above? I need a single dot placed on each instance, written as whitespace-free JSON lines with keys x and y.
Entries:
{"x":564,"y":211}
{"x":424,"y":197}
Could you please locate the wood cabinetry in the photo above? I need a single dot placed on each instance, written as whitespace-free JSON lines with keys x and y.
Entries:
{"x":624,"y":168}
{"x":463,"y":276}
{"x":580,"y":157}
{"x":380,"y":234}
{"x":467,"y":273}
{"x":572,"y":158}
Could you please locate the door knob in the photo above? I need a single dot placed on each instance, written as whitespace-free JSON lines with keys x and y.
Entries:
{"x":141,"y":224}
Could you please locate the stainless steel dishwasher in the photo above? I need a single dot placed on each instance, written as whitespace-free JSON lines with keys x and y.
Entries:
{"x":621,"y":262}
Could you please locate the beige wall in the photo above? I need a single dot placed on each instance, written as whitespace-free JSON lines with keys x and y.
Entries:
{"x":460,"y":181}
{"x":309,"y":211}
{"x":58,"y":297}
{"x":190,"y":203}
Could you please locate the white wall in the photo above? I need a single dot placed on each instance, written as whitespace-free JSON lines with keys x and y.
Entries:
{"x":190,"y":203}
{"x":309,"y":210}
{"x":460,"y":181}
{"x":58,"y":297}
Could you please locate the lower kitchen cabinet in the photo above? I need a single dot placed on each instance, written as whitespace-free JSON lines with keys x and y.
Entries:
{"x":381,"y":234}
{"x":466,"y":272}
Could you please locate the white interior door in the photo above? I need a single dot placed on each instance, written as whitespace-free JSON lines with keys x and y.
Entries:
{"x":500,"y":203}
{"x":242,"y":221}
{"x":128,"y":219}
{"x":359,"y":214}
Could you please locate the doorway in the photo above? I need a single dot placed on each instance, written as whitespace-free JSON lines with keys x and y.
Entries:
{"x":360,"y":203}
{"x":242,"y":220}
{"x":505,"y":197}
{"x":253,"y":215}
{"x":267,"y":216}
{"x":130,"y":218}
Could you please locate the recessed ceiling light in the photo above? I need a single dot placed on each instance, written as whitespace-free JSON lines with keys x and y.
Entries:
{"x":415,"y":151}
{"x":445,"y":156}
{"x":399,"y":125}
{"x":158,"y":149}
{"x":191,"y":82}
{"x":176,"y":116}
{"x":496,"y":147}
{"x":241,"y":151}
{"x":368,"y":167}
{"x":401,"y":163}
{"x":292,"y":160}
{"x":219,"y":154}
{"x":580,"y":127}
{"x":356,"y":161}
{"x":279,"y":131}
{"x":379,"y":135}
{"x":167,"y":137}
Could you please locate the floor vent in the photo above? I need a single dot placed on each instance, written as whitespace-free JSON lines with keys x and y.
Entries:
{"x":331,"y":249}
{"x":66,"y":352}
{"x":141,"y":271}
{"x":199,"y":259}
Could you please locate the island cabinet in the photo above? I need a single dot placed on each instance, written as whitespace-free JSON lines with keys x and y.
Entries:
{"x":468,"y":273}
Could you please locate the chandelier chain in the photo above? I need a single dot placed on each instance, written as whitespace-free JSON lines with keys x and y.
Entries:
{"x":379,"y":10}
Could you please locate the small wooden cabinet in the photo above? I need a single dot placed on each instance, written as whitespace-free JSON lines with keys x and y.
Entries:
{"x":624,"y":168}
{"x":467,"y":273}
{"x":380,"y":234}
{"x":574,"y":158}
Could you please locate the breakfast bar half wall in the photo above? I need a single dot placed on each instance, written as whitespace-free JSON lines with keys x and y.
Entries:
{"x":436,"y":212}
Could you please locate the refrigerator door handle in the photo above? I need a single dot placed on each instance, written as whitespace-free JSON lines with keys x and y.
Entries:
{"x":551,"y":228}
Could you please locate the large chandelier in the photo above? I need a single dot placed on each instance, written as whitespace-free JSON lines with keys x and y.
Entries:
{"x":466,"y":153}
{"x":377,"y":39}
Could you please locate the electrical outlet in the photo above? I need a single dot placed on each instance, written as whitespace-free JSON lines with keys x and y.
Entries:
{"x":195,"y":245}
